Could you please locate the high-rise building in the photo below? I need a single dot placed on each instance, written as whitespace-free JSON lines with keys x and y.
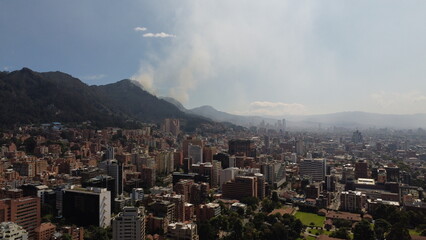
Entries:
{"x":352,"y":201}
{"x":207,"y":211}
{"x":190,"y":141}
{"x":274,"y":173}
{"x":109,"y":153}
{"x":208,"y":152}
{"x":114,"y":169}
{"x":392,"y":173}
{"x":148,"y":176}
{"x":23,"y":211}
{"x":129,"y":224}
{"x":357,"y":137}
{"x":242,"y":146}
{"x":196,"y":153}
{"x":12,"y":231}
{"x":330,"y":183}
{"x":361,"y":169}
{"x":164,"y":209}
{"x":261,"y":189}
{"x":87,"y":206}
{"x":228,"y":174}
{"x":102,"y":181}
{"x":179,"y":201}
{"x":171,"y":125}
{"x":204,"y":169}
{"x":313,"y":168}
{"x":240,"y":187}
{"x":217,"y":166}
{"x":300,"y":147}
{"x":183,"y":187}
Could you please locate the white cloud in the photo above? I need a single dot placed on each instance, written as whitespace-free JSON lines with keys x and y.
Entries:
{"x":159,"y":35}
{"x":94,"y":77}
{"x":140,"y":29}
{"x":400,"y":102}
{"x":276,"y":108}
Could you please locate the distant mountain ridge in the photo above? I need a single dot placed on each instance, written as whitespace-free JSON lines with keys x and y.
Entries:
{"x":27,"y":97}
{"x":355,"y":119}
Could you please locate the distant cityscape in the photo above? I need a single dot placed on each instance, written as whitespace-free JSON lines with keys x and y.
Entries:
{"x":262,"y":182}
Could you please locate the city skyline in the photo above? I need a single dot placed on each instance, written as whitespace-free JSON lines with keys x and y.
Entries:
{"x":250,"y":58}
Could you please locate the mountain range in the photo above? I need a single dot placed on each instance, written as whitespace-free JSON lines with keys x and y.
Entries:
{"x":349,"y":120}
{"x":28,"y":97}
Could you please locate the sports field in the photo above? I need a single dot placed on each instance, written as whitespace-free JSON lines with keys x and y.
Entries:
{"x":308,"y":218}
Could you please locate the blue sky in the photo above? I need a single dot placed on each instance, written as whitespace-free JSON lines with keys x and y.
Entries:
{"x":270,"y":57}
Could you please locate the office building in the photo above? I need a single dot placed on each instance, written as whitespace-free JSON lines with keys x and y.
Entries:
{"x":23,"y":211}
{"x":205,"y":212}
{"x":195,"y":152}
{"x":392,"y":173}
{"x":357,"y":137}
{"x":240,"y":187}
{"x":114,"y":169}
{"x":190,"y":141}
{"x":352,"y":201}
{"x":129,"y":224}
{"x":313,"y":168}
{"x":242,"y":146}
{"x":172,"y":126}
{"x":361,"y":169}
{"x":227,"y":175}
{"x":87,"y":206}
{"x":162,"y":209}
{"x":274,"y":173}
{"x":208,"y":170}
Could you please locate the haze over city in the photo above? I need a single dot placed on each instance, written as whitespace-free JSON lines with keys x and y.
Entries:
{"x":242,"y":57}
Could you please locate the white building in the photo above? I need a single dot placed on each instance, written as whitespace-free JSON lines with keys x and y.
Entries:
{"x":129,"y":224}
{"x":182,"y":231}
{"x":227,"y":174}
{"x":196,"y":153}
{"x":12,"y":231}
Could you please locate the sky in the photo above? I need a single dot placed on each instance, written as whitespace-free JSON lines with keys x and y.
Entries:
{"x":273,"y":57}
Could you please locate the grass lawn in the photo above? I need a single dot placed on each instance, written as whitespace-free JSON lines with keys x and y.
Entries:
{"x":307,"y":238}
{"x":315,"y":231}
{"x":413,"y":232}
{"x":307,"y":218}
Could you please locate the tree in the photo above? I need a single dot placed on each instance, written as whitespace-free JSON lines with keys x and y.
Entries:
{"x":250,"y":201}
{"x":30,"y":144}
{"x":381,"y":227}
{"x":340,"y":233}
{"x":238,"y":229}
{"x":96,"y":233}
{"x":398,"y":232}
{"x":363,"y":231}
{"x":66,"y":236}
{"x":207,"y":231}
